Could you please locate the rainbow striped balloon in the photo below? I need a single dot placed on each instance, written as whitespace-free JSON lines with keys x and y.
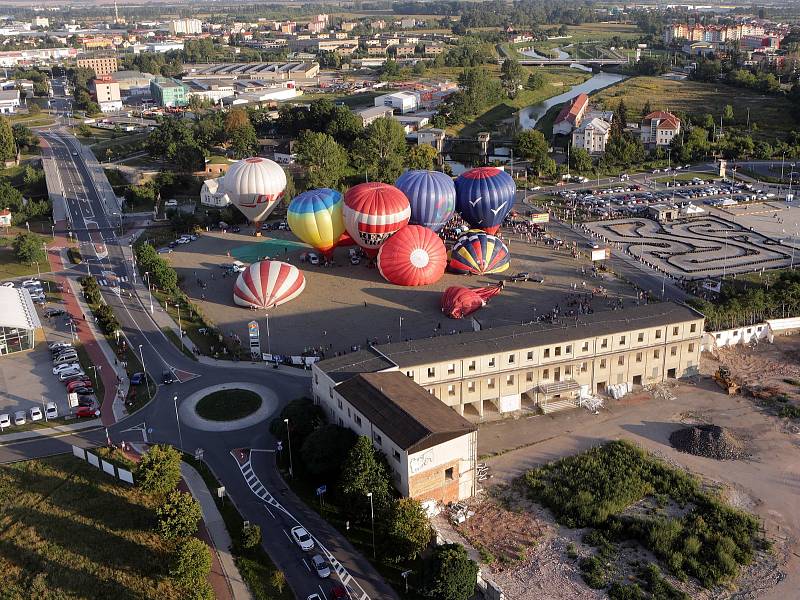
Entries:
{"x":479,"y":253}
{"x":316,"y":218}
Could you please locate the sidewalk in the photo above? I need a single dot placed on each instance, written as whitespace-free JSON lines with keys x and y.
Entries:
{"x":48,"y":431}
{"x":215,"y":526}
{"x":95,"y":344}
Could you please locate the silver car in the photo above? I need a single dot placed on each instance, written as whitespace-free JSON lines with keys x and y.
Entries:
{"x":321,"y":566}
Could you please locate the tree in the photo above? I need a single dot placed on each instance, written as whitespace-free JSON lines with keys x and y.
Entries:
{"x":251,"y":536}
{"x":535,"y":81}
{"x":304,"y":417}
{"x":727,"y":113}
{"x":580,"y":160}
{"x":28,"y":248}
{"x":159,"y":470}
{"x":420,"y":67}
{"x":8,"y":150}
{"x":364,"y":472}
{"x":173,"y":140}
{"x":409,"y":530}
{"x":23,"y":137}
{"x":533,"y":147}
{"x":178,"y":515}
{"x":450,"y":574}
{"x":343,"y":125}
{"x":646,"y":110}
{"x":325,"y":449}
{"x":278,"y":580}
{"x":422,"y":156}
{"x":325,"y":160}
{"x":620,"y":120}
{"x":511,"y":73}
{"x":241,"y":133}
{"x":381,"y":152}
{"x":191,"y":562}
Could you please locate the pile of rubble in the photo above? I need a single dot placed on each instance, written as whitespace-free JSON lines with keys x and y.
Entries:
{"x":710,"y":441}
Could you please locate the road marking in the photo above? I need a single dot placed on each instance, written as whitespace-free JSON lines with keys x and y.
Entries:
{"x":287,"y":536}
{"x":270,"y":512}
{"x":321,"y":591}
{"x":306,"y":565}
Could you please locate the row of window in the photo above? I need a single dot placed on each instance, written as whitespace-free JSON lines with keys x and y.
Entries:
{"x":376,"y":438}
{"x":451,"y":368}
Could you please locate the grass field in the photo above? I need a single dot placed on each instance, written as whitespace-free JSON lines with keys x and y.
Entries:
{"x":67,"y":530}
{"x":773,"y":115}
{"x":228,"y":405}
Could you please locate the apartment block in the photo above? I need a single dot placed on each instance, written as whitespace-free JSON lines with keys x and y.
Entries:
{"x":101,"y":65}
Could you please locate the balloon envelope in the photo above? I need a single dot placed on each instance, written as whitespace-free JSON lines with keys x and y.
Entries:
{"x":484,"y":196}
{"x":479,"y":253}
{"x":414,"y":255}
{"x":432,"y":196}
{"x":255,"y":186}
{"x":373,"y":212}
{"x":268,"y":283}
{"x":458,"y":301}
{"x":316,"y":218}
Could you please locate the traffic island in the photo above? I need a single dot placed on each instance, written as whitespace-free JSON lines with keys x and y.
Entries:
{"x":228,"y":405}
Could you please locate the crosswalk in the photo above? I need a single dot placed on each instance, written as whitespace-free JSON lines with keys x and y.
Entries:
{"x":112,"y":282}
{"x":255,"y":485}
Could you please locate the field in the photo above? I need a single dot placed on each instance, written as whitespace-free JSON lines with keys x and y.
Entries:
{"x":774,"y":116}
{"x":68,"y":530}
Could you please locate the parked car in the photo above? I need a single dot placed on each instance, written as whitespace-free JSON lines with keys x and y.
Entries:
{"x":236,"y":229}
{"x":321,"y":566}
{"x":7,"y":284}
{"x":36,"y":414}
{"x":167,"y":377}
{"x":5,"y":421}
{"x":137,"y":378}
{"x":74,"y":374}
{"x":76,"y":383}
{"x":313,"y":258}
{"x":51,"y":410}
{"x":165,"y":250}
{"x":523,"y":276}
{"x":65,"y":368}
{"x":340,"y":592}
{"x":54,"y":312}
{"x":19,"y":417}
{"x":302,"y":538}
{"x":55,"y":346}
{"x":32,"y":283}
{"x":88,"y":401}
{"x":86,"y":412}
{"x":83,"y":390}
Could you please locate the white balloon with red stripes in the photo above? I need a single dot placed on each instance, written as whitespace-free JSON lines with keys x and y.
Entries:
{"x":268,"y":283}
{"x":255,"y":186}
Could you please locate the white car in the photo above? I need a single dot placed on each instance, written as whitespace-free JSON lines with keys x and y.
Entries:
{"x":63,"y":376}
{"x":19,"y":417}
{"x":51,"y":410}
{"x":300,"y":536}
{"x":321,"y":566}
{"x":5,"y":421}
{"x":313,"y":258}
{"x":36,"y":413}
{"x":183,"y":240}
{"x":66,"y":367}
{"x":8,"y":284}
{"x":31,"y":283}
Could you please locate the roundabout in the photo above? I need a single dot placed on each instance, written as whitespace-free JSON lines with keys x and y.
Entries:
{"x":228,"y":407}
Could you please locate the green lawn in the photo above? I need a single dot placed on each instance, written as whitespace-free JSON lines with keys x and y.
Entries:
{"x":228,"y":405}
{"x":773,"y":115}
{"x":68,"y":530}
{"x":30,"y":425}
{"x":10,"y":267}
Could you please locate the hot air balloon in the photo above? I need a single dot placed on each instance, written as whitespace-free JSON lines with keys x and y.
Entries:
{"x":484,"y":196}
{"x":268,"y":283}
{"x":414,"y":255}
{"x":432,"y":196}
{"x":458,"y":301}
{"x":316,"y":218}
{"x":479,"y":253}
{"x":254,"y":186}
{"x":373,"y":212}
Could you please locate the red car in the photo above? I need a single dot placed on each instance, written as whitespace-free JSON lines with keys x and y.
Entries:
{"x":78,"y":383}
{"x":87,"y":412}
{"x":340,"y":592}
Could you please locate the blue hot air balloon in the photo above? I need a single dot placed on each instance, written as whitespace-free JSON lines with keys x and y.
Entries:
{"x":484,"y":196}
{"x":432,"y":196}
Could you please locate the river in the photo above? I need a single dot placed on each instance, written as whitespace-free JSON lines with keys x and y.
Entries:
{"x":530,"y":115}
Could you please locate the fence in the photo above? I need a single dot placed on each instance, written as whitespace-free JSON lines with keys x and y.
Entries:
{"x":107,"y":467}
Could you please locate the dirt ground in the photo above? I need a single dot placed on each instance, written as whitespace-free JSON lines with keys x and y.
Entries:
{"x":766,"y":484}
{"x":345,"y":304}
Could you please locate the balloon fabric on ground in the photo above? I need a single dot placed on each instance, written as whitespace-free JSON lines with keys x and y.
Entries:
{"x":458,"y":301}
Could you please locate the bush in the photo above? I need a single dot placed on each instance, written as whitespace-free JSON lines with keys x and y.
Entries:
{"x":304,"y":417}
{"x":74,"y":256}
{"x":159,"y":470}
{"x":325,"y":449}
{"x":617,"y":591}
{"x":178,"y":516}
{"x":450,"y":574}
{"x":789,"y":411}
{"x":191,"y":562}
{"x":251,"y":536}
{"x":106,"y":319}
{"x":594,"y":573}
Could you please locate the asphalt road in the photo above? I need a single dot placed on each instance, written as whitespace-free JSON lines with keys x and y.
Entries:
{"x":92,"y":226}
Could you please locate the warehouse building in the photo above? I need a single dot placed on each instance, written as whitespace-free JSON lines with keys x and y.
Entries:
{"x":18,"y":321}
{"x":487,"y":374}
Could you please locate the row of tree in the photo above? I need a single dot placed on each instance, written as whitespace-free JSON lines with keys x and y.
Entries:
{"x":161,"y":273}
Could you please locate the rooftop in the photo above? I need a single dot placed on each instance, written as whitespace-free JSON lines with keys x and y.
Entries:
{"x":503,"y":339}
{"x":411,"y":417}
{"x":17,"y":310}
{"x":572,"y":109}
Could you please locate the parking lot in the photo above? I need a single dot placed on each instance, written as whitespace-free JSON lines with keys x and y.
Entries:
{"x":344,"y":305}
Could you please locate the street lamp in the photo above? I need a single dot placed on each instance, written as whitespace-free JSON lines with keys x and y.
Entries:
{"x":53,"y":231}
{"x":269,"y":345}
{"x":144,"y":370}
{"x":372,"y":518}
{"x":149,"y":292}
{"x":95,"y":368}
{"x":180,"y":327}
{"x":289,"y":442}
{"x":178,"y":421}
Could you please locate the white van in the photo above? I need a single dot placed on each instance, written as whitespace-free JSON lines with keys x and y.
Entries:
{"x":171,"y":203}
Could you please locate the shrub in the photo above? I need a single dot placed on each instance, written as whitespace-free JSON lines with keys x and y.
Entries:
{"x":594,"y":573}
{"x":191,"y":563}
{"x":178,"y":516}
{"x":159,"y":470}
{"x":572,"y":551}
{"x":617,"y":591}
{"x":251,"y":536}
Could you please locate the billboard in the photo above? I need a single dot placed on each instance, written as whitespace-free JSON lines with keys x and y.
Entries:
{"x":255,"y":339}
{"x":601,"y":253}
{"x":541,"y":217}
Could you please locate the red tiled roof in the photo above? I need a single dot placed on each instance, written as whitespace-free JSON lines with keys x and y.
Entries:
{"x":666,"y":120}
{"x":570,"y":111}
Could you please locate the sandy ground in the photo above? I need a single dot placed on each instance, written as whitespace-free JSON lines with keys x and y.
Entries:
{"x":767,"y":484}
{"x":331,"y":312}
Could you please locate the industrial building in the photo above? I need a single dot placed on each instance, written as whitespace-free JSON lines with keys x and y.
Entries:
{"x":18,"y":321}
{"x":402,"y":102}
{"x":266,"y":71}
{"x":537,"y":366}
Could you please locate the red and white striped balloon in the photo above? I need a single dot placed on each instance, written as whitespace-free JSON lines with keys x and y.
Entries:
{"x":373,"y":212}
{"x":268,"y":283}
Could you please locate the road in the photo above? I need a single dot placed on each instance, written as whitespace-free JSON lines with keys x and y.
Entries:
{"x":93,"y":226}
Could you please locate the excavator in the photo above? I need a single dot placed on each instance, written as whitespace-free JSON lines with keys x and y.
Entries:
{"x":725,"y":380}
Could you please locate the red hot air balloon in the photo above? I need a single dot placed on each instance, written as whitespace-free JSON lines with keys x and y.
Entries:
{"x":458,"y":301}
{"x":373,"y":212}
{"x":268,"y":283}
{"x":415,"y":255}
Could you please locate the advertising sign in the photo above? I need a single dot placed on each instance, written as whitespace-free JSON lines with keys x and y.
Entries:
{"x":600,"y":253}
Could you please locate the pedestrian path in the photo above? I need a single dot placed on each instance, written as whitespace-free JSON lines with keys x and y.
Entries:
{"x":215,"y":525}
{"x":49,"y":431}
